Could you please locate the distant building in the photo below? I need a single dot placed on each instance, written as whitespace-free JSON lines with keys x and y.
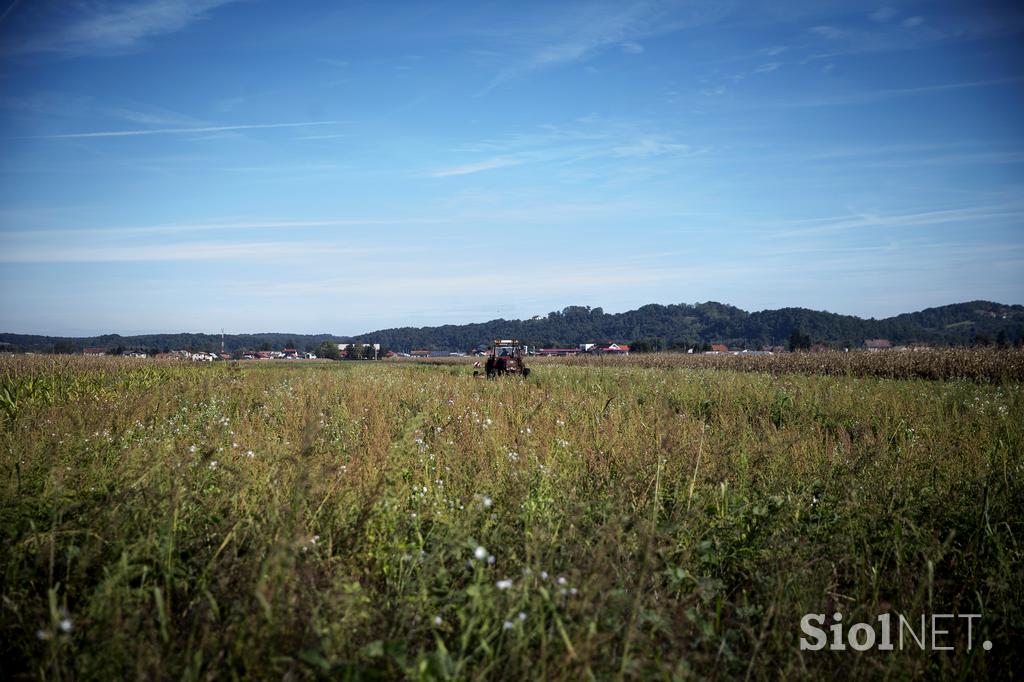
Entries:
{"x":610,"y":349}
{"x":95,"y":351}
{"x":558,"y":351}
{"x":877,"y":344}
{"x":719,"y":348}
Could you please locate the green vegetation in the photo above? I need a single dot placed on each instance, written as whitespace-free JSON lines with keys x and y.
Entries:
{"x":166,"y":520}
{"x":649,"y":328}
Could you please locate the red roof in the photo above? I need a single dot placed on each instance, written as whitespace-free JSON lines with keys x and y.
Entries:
{"x":719,"y":348}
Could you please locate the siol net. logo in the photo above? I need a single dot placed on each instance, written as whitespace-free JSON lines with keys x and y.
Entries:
{"x":936,"y":633}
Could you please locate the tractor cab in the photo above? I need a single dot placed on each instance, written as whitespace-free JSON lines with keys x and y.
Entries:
{"x":507,"y":356}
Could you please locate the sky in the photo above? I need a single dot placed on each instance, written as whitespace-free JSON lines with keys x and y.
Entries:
{"x":340,"y":167}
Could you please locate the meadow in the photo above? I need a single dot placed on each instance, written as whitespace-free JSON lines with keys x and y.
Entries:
{"x":639,"y":518}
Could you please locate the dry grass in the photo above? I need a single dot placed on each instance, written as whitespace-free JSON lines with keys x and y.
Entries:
{"x":654,"y":519}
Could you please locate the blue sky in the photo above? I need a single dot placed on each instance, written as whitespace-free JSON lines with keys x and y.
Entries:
{"x":344,"y":167}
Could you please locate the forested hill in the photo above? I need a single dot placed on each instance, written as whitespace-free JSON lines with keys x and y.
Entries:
{"x":687,"y":326}
{"x":654,"y":326}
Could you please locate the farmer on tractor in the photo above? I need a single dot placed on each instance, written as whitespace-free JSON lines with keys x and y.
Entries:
{"x":506,"y":356}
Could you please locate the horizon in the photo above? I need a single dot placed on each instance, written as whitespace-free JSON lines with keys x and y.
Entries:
{"x":428,"y":326}
{"x":240,"y":164}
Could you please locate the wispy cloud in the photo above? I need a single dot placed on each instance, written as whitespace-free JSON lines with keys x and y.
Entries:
{"x":10,"y":8}
{"x":929,"y":218}
{"x":869,"y":96}
{"x":884,"y":14}
{"x":471,"y":168}
{"x":215,"y":226}
{"x":330,"y":136}
{"x":186,"y":251}
{"x":568,"y":279}
{"x":181,"y":131}
{"x":109,"y":27}
{"x":646,"y":147}
{"x":572,"y":34}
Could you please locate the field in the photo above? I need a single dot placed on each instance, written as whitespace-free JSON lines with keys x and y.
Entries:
{"x":642,"y":518}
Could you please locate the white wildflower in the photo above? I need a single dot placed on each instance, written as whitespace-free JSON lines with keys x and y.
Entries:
{"x":480,"y":553}
{"x":503,"y":584}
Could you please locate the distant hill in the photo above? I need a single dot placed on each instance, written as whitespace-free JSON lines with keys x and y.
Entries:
{"x":684,"y":325}
{"x":652,"y":326}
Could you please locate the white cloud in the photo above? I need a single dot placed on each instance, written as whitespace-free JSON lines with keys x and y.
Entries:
{"x":828,"y":32}
{"x":188,"y":251}
{"x":767,"y":68}
{"x":179,"y":131}
{"x":883,"y":14}
{"x":474,"y":167}
{"x":650,"y":146}
{"x":108,"y":27}
{"x":928,"y":218}
{"x":571,"y":34}
{"x":868,"y":96}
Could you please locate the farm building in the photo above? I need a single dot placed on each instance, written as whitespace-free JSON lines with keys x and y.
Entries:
{"x":558,"y":351}
{"x":611,"y":348}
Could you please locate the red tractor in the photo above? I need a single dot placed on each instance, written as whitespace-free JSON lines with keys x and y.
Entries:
{"x":506,"y":356}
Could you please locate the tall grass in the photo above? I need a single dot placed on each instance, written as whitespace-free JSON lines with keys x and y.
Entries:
{"x":376,"y":520}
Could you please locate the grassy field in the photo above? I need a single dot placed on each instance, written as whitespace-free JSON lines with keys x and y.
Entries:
{"x":629,"y":519}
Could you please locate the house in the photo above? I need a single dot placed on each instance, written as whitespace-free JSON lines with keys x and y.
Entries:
{"x":290,"y":353}
{"x":719,"y":348}
{"x":420,"y":353}
{"x":224,"y":356}
{"x":558,"y":351}
{"x":611,"y":348}
{"x":820,"y":348}
{"x":95,"y":351}
{"x":877,"y":344}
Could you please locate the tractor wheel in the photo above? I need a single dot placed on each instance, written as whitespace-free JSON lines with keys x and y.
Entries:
{"x":526,"y":372}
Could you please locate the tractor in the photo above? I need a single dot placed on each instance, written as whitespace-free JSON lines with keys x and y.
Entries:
{"x":506,"y":356}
